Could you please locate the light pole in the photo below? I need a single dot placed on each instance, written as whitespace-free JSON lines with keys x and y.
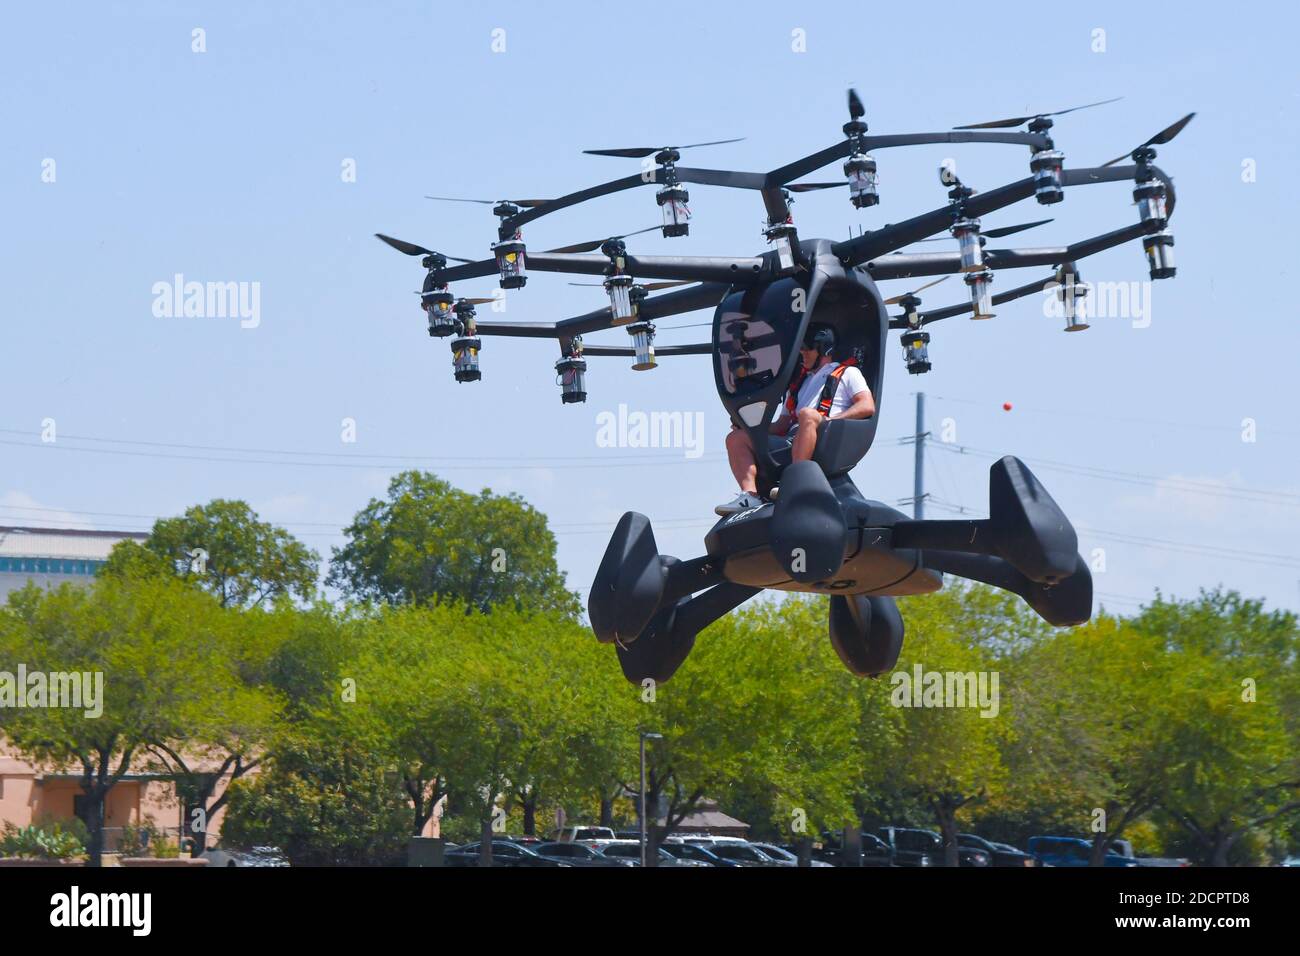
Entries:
{"x":645,"y":735}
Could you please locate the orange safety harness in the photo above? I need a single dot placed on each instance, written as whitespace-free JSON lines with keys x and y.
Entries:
{"x":828,"y":390}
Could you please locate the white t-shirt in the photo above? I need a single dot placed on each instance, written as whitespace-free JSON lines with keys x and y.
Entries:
{"x":810,"y":390}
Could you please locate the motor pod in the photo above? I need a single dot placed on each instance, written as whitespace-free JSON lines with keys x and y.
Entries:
{"x":808,"y":531}
{"x":673,"y":201}
{"x":464,"y":358}
{"x":629,"y":583}
{"x":867,"y":633}
{"x":512,"y":263}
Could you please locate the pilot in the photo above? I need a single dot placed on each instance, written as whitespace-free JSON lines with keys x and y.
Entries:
{"x":821,"y":388}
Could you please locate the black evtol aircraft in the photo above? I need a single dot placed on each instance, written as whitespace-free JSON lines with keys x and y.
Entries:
{"x":820,"y":535}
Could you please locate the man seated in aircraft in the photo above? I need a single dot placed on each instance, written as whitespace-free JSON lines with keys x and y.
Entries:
{"x":821,"y":389}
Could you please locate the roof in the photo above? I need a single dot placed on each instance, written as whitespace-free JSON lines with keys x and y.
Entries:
{"x":84,"y":543}
{"x":709,"y":817}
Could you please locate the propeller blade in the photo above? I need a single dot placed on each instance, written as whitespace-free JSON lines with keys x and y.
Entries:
{"x":1020,"y":120}
{"x":411,"y":249}
{"x":1008,"y":230}
{"x":648,"y":286}
{"x":597,"y":243}
{"x":809,"y":187}
{"x":656,"y":286}
{"x":715,"y":142}
{"x":526,"y":203}
{"x":899,"y":298}
{"x":401,"y":245}
{"x":632,"y":153}
{"x":477,"y":301}
{"x":640,"y":152}
{"x":995,"y":233}
{"x":1162,"y":137}
{"x":856,"y":109}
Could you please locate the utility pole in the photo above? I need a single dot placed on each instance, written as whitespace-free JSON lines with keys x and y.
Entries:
{"x":918,"y":472}
{"x":917,"y":501}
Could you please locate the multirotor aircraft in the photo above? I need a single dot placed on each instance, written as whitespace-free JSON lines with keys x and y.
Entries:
{"x":820,"y":535}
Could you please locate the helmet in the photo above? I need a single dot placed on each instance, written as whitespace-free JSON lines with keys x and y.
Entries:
{"x":820,"y":337}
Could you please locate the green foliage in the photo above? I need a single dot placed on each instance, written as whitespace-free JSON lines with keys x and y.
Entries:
{"x":249,"y":562}
{"x":1235,"y":721}
{"x":174,"y":668}
{"x":47,"y":841}
{"x":324,"y":803}
{"x":763,"y":712}
{"x":429,"y":542}
{"x":147,"y":840}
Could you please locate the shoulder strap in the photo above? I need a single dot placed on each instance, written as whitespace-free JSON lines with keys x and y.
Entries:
{"x":832,"y":386}
{"x":792,"y":394}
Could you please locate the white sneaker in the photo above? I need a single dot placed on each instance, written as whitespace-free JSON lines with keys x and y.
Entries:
{"x":742,"y":502}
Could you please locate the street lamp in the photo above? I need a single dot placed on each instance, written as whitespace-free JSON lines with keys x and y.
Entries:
{"x":645,"y":735}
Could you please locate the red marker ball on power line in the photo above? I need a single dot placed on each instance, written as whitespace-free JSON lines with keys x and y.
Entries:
{"x":1006,"y":406}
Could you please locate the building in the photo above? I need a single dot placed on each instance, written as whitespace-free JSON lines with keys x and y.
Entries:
{"x":51,"y":556}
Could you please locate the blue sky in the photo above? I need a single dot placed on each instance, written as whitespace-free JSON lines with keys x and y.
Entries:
{"x":225,"y":166}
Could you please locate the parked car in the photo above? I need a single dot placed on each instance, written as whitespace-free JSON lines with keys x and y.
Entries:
{"x":914,"y":847}
{"x":786,"y":856}
{"x":746,"y":854}
{"x":1070,"y":851}
{"x":577,"y":854}
{"x":693,"y":851}
{"x":588,"y":835}
{"x":257,"y":856}
{"x":875,"y":852}
{"x":708,"y":839}
{"x":1125,"y":849}
{"x":631,"y":851}
{"x":504,"y":853}
{"x":1000,"y":854}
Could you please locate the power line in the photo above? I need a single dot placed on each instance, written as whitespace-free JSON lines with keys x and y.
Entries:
{"x":1258,"y":495}
{"x":564,"y":528}
{"x":335,"y":454}
{"x":652,"y":462}
{"x":1092,"y":415}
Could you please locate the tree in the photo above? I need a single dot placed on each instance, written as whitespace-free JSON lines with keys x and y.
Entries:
{"x":947,"y":713}
{"x":224,"y":548}
{"x":429,"y":542}
{"x":1094,"y":708}
{"x":230,"y":729}
{"x":578,"y":716}
{"x":325,"y":801}
{"x":762,"y":706}
{"x":492,"y":711}
{"x":1237,"y":719}
{"x":155,"y":644}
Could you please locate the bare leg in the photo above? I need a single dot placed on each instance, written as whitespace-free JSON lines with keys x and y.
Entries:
{"x":805,"y":439}
{"x":744,"y":465}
